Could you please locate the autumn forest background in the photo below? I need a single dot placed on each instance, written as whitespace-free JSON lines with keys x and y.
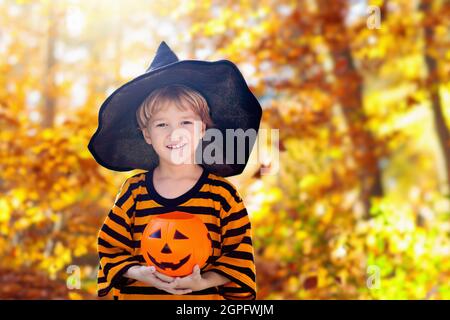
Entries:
{"x":358,"y":203}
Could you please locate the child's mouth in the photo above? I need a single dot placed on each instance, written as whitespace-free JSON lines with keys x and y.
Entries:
{"x":176,"y":146}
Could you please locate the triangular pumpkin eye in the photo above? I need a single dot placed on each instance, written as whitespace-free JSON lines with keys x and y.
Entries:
{"x":156,"y":234}
{"x":179,"y":235}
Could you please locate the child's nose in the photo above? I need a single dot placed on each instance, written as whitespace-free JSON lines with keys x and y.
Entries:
{"x":177,"y":134}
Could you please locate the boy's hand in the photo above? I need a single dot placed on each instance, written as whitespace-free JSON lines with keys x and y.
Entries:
{"x":194,"y":281}
{"x":150,"y":276}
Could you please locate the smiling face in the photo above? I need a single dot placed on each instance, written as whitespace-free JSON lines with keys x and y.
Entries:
{"x":175,"y":134}
{"x":174,"y":242}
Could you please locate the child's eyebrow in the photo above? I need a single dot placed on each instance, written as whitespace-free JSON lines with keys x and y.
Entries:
{"x":157,"y":119}
{"x":183,"y":117}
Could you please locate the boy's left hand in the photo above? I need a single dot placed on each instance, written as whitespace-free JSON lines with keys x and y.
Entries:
{"x":194,"y":281}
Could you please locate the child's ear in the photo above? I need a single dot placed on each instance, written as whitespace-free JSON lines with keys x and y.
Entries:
{"x":202,"y":134}
{"x":146,"y":136}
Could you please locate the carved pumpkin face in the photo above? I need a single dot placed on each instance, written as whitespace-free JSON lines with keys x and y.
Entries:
{"x":175,"y":242}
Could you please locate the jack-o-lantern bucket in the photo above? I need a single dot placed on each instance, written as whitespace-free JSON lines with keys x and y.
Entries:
{"x":175,"y":242}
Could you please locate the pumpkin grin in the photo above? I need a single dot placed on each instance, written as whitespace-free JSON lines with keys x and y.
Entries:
{"x":169,"y":265}
{"x":174,"y":242}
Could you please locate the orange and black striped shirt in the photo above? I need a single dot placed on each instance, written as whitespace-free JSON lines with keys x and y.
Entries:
{"x":215,"y":200}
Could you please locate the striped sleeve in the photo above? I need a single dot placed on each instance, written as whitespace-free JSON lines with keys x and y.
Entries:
{"x":236,"y":261}
{"x":115,"y":243}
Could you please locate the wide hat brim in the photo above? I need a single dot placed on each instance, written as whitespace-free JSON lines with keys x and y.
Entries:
{"x":119,"y":145}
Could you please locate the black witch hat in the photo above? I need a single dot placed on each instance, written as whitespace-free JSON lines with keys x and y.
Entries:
{"x":119,"y":145}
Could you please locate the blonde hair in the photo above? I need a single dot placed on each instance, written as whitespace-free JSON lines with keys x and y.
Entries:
{"x":182,"y":96}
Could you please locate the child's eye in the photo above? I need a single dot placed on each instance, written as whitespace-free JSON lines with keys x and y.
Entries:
{"x":187,"y":122}
{"x":161,"y":125}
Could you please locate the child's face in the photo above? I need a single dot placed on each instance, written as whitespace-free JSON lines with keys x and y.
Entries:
{"x":175,"y":134}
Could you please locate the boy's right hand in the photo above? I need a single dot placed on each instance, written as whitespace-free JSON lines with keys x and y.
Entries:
{"x":150,"y":276}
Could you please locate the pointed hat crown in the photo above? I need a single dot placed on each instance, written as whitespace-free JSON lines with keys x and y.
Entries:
{"x":164,"y":56}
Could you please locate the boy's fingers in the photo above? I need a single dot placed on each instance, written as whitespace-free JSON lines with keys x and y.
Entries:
{"x":184,"y":291}
{"x":159,"y":281}
{"x":196,"y":271}
{"x":163,"y":277}
{"x":179,"y":291}
{"x":146,"y":271}
{"x":150,"y":269}
{"x":163,"y":285}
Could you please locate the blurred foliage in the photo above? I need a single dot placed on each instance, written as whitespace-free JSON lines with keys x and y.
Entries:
{"x":356,"y":207}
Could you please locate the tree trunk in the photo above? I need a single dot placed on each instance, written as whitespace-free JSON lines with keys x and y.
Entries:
{"x":433,"y":88}
{"x":349,"y":90}
{"x":48,"y":112}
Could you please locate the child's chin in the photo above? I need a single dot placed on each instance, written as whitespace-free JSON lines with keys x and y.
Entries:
{"x":177,"y":160}
{"x":181,"y":162}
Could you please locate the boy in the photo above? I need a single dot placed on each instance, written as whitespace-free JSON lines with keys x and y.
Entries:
{"x":172,"y":119}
